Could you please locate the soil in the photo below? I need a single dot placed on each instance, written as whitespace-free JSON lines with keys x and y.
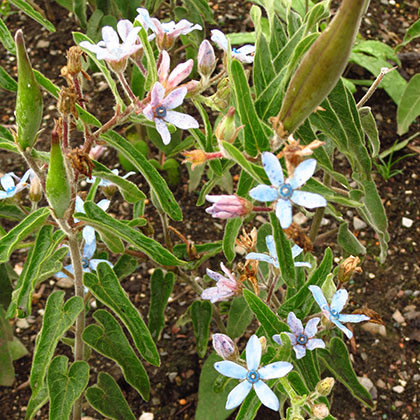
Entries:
{"x":391,"y":361}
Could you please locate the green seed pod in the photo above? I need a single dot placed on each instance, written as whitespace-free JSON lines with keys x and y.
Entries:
{"x":29,"y":97}
{"x":322,"y":65}
{"x":57,"y":185}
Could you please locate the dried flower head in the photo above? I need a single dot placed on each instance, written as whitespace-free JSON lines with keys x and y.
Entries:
{"x":347,"y":268}
{"x":248,"y":241}
{"x":299,"y":237}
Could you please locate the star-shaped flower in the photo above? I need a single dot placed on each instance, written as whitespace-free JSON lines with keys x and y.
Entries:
{"x":284,"y":192}
{"x":301,"y":339}
{"x":252,"y":376}
{"x":272,"y":258}
{"x":110,"y":49}
{"x":9,"y":186}
{"x":159,"y":111}
{"x":171,"y":80}
{"x":226,"y":287}
{"x":333,"y":312}
{"x":245,"y":54}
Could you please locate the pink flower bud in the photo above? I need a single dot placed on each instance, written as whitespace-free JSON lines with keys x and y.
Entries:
{"x":320,"y":411}
{"x":206,"y":59}
{"x":228,"y":206}
{"x":224,"y":346}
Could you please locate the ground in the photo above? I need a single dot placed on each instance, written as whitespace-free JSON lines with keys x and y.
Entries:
{"x":390,"y":363}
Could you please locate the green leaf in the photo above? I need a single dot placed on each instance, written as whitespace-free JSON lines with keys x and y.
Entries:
{"x":11,"y":211}
{"x":369,"y":127}
{"x":151,"y":63}
{"x":107,"y":398}
{"x":7,"y":82}
{"x":65,"y":386}
{"x":309,"y":369}
{"x":231,"y":232}
{"x":239,"y":318}
{"x":201,"y":313}
{"x":32,"y":13}
{"x":337,"y":359}
{"x":268,"y":319}
{"x":79,"y":8}
{"x":409,"y":105}
{"x":413,"y":32}
{"x":6,"y":38}
{"x":376,"y":49}
{"x":263,"y":69}
{"x":161,"y":287}
{"x":108,"y":339}
{"x":203,"y":8}
{"x":105,"y":223}
{"x":7,"y":371}
{"x":37,"y":400}
{"x":255,"y":138}
{"x":7,"y":277}
{"x":348,"y":241}
{"x":106,"y":287}
{"x":31,"y":223}
{"x":156,"y":182}
{"x":125,"y":265}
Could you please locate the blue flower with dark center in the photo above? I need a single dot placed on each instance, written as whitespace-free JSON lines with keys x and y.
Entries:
{"x":9,"y":186}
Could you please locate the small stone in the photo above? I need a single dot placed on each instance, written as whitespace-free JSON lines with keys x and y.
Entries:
{"x":399,"y":389}
{"x":359,"y":224}
{"x":172,"y":376}
{"x":43,"y":43}
{"x":155,"y":401}
{"x":406,"y":222}
{"x":416,"y":377}
{"x":300,"y":218}
{"x":368,"y":384}
{"x":380,"y":384}
{"x":65,"y":283}
{"x":364,"y":356}
{"x":22,"y":324}
{"x":146,"y":416}
{"x":374,"y":328}
{"x":398,"y":403}
{"x":398,"y":317}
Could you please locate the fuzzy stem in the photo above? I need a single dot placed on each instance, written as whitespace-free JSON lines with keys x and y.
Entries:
{"x":127,"y":88}
{"x":261,"y":208}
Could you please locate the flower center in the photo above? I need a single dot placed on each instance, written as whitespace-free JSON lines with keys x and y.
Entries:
{"x":160,"y":111}
{"x":253,"y":376}
{"x":11,"y":189}
{"x":85,"y":262}
{"x":302,"y":339}
{"x":334,"y":313}
{"x":235,"y":50}
{"x":286,"y":191}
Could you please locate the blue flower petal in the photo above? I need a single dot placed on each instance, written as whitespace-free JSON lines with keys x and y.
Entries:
{"x":339,"y":300}
{"x":315,"y":343}
{"x":345,"y":330}
{"x":275,"y":370}
{"x":89,"y":249}
{"x":261,"y":257}
{"x":7,"y":182}
{"x":302,"y":173}
{"x":269,"y":240}
{"x":94,"y":263}
{"x":273,"y":168}
{"x":312,"y":327}
{"x":238,"y":394}
{"x":253,"y":353}
{"x":294,"y":323}
{"x":303,"y":264}
{"x":104,"y":204}
{"x":163,"y":131}
{"x":284,"y":213}
{"x":308,"y":199}
{"x":296,"y":250}
{"x":352,"y":318}
{"x":276,"y":338}
{"x":319,"y":297}
{"x":266,"y":395}
{"x":300,"y":351}
{"x":231,"y":369}
{"x":264,"y":193}
{"x":78,"y":208}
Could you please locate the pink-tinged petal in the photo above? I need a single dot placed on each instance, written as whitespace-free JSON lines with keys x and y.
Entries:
{"x":319,"y":297}
{"x":179,"y":73}
{"x":133,"y":39}
{"x":312,"y":327}
{"x":264,"y":193}
{"x":89,"y":46}
{"x":158,"y":93}
{"x":339,"y":300}
{"x":308,"y":199}
{"x":168,"y":26}
{"x":277,"y":339}
{"x":183,"y":27}
{"x":219,"y":38}
{"x":294,"y":323}
{"x":163,"y":70}
{"x":228,"y":273}
{"x":175,"y":98}
{"x":212,"y":294}
{"x":269,"y":240}
{"x":253,"y":353}
{"x":144,"y":18}
{"x":163,"y":131}
{"x":266,"y":395}
{"x":315,"y":343}
{"x":302,"y":173}
{"x":148,"y":112}
{"x":273,"y":168}
{"x":180,"y":120}
{"x":284,"y":213}
{"x":300,"y":351}
{"x":238,"y":394}
{"x":231,"y":369}
{"x":345,"y":330}
{"x":275,"y":370}
{"x":157,"y":27}
{"x":214,"y":275}
{"x":124,"y":27}
{"x":353,"y":318}
{"x":110,"y":37}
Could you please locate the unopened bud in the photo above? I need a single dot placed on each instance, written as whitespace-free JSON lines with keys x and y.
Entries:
{"x":320,"y":411}
{"x":347,"y":268}
{"x":74,"y":62}
{"x":195,"y":157}
{"x":228,"y":206}
{"x":206,"y":59}
{"x":35,"y":190}
{"x":225,"y":347}
{"x":220,"y":100}
{"x":325,"y":386}
{"x":226,"y":129}
{"x":263,"y":342}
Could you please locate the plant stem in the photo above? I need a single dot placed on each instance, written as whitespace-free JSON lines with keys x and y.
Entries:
{"x":319,"y":214}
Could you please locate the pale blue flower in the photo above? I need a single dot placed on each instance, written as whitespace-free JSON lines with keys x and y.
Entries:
{"x":302,"y":339}
{"x":7,"y":181}
{"x":244,"y":54}
{"x":252,"y":376}
{"x":105,"y":182}
{"x":160,"y":111}
{"x":333,"y":312}
{"x":285,"y":192}
{"x":272,"y":258}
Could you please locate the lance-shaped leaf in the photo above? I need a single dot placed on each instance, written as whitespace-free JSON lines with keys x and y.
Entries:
{"x":103,"y":222}
{"x":308,"y":367}
{"x":229,"y":237}
{"x":348,"y":241}
{"x":58,"y":318}
{"x":156,"y":182}
{"x":240,"y":316}
{"x":106,"y":287}
{"x":65,"y":385}
{"x":7,"y":371}
{"x":109,"y":340}
{"x":6,"y":38}
{"x":10,"y":211}
{"x":337,"y":359}
{"x":32,"y":13}
{"x":201,"y":313}
{"x":7,"y":82}
{"x":22,"y":296}
{"x":369,"y":127}
{"x":31,"y":223}
{"x":107,"y":398}
{"x":268,"y":319}
{"x":160,"y":289}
